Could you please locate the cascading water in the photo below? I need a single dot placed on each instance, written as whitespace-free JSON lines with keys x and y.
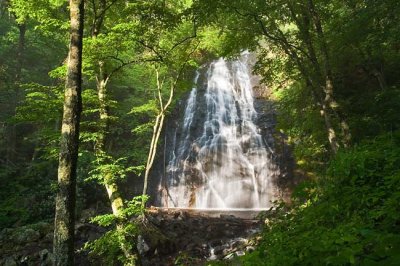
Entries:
{"x":217,"y":158}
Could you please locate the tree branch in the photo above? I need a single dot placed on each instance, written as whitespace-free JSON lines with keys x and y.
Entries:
{"x":124,"y":64}
{"x":186,"y":38}
{"x":152,"y":49}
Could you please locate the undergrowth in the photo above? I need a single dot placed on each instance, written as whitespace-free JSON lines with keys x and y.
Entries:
{"x":349,"y":217}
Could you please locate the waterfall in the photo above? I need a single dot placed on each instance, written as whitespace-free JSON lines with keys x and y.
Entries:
{"x":217,"y":157}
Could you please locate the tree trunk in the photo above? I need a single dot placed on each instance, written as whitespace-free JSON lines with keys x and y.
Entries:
{"x":113,"y":192}
{"x":12,"y":135}
{"x":65,"y":200}
{"x":109,"y":182}
{"x":304,"y":27}
{"x":157,"y":128}
{"x":282,"y":41}
{"x":102,"y":78}
{"x":329,"y":100}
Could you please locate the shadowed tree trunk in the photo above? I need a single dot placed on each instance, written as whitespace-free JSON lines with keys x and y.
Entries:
{"x":12,"y":135}
{"x":329,"y":100}
{"x":65,"y":200}
{"x":280,"y":40}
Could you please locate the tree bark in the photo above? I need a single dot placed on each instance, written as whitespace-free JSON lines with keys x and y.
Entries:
{"x":329,"y":100}
{"x":102,"y":78}
{"x":113,"y":192}
{"x":158,"y":125}
{"x":281,"y":41}
{"x":101,"y":150}
{"x":65,"y":200}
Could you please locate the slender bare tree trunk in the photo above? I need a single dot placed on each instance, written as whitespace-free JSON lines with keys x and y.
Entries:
{"x":158,"y":125}
{"x":64,"y":221}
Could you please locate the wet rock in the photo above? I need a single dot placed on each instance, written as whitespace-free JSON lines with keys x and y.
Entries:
{"x":238,"y":243}
{"x":46,"y":258}
{"x":142,"y":246}
{"x":9,"y":262}
{"x":196,"y":237}
{"x":229,"y":233}
{"x":228,"y":217}
{"x":218,"y":250}
{"x":250,"y":249}
{"x":215,"y":242}
{"x":24,"y":261}
{"x":239,"y":253}
{"x":156,"y":220}
{"x":229,"y":256}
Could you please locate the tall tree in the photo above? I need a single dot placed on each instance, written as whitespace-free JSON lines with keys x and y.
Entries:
{"x":65,"y":200}
{"x":20,"y":22}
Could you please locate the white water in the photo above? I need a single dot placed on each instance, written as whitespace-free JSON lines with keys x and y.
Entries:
{"x":226,"y":165}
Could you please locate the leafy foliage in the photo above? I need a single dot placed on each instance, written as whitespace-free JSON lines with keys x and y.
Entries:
{"x":350,"y":217}
{"x":108,"y":246}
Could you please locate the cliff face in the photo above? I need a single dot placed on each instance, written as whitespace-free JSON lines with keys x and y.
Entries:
{"x":221,"y":149}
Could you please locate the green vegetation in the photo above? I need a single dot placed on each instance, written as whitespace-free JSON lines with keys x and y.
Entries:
{"x":107,"y":248}
{"x":332,"y":67}
{"x":350,"y":216}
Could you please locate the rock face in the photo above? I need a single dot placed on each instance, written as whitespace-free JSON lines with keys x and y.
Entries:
{"x":220,"y":148}
{"x":179,"y":237}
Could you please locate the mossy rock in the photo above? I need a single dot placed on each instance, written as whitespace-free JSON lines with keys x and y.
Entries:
{"x":155,"y":239}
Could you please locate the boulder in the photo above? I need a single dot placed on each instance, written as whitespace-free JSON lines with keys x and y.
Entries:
{"x":9,"y":261}
{"x":26,"y":235}
{"x":46,"y":258}
{"x":142,"y":246}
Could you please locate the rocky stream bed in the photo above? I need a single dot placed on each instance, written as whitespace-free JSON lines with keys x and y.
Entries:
{"x":193,"y":238}
{"x":169,"y":237}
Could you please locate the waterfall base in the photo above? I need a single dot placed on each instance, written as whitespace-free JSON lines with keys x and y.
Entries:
{"x":242,"y":213}
{"x":193,"y":238}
